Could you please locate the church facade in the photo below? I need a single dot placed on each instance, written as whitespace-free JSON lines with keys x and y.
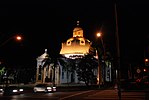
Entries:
{"x":75,"y":47}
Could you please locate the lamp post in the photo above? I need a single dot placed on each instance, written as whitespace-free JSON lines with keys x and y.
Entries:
{"x":100,"y":77}
{"x":103,"y":46}
{"x":16,"y":37}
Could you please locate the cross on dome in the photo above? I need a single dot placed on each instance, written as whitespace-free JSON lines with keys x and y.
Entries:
{"x":45,"y":50}
{"x":77,"y":23}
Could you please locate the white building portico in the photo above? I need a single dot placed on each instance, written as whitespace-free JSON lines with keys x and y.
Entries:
{"x":45,"y":73}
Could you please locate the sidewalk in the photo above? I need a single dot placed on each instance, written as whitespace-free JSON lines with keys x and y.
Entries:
{"x":112,"y":94}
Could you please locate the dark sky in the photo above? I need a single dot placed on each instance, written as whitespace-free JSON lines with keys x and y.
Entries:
{"x":47,"y":24}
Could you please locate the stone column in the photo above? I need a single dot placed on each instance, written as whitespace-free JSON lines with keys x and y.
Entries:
{"x":37,"y":73}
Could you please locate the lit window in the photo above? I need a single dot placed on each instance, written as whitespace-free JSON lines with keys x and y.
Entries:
{"x":69,"y":43}
{"x":82,"y":42}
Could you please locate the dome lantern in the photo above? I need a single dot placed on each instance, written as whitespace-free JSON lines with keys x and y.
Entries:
{"x":78,"y":31}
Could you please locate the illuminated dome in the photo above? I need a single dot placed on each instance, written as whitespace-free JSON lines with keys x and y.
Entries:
{"x":77,"y":45}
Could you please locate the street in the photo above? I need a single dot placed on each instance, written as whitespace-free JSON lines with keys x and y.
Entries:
{"x":108,"y":94}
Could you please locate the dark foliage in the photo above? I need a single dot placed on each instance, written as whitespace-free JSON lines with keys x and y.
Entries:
{"x":85,"y":69}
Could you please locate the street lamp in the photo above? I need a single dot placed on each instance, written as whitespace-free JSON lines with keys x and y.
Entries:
{"x":16,"y":37}
{"x":146,"y":62}
{"x":100,"y":81}
{"x":98,"y":34}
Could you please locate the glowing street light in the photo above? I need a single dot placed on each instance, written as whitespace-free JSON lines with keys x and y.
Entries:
{"x":146,"y":62}
{"x":98,"y":34}
{"x":99,"y":60}
{"x":16,"y":37}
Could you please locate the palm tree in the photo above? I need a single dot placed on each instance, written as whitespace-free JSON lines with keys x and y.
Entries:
{"x":103,"y":54}
{"x":46,"y":62}
{"x":53,"y":60}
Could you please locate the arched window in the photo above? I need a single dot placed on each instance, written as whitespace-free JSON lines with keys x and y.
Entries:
{"x":39,"y":75}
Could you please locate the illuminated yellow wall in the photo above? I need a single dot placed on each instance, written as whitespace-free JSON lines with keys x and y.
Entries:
{"x":74,"y":48}
{"x":77,"y":44}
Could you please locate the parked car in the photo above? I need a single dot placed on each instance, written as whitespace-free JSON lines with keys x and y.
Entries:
{"x":44,"y":88}
{"x":10,"y":90}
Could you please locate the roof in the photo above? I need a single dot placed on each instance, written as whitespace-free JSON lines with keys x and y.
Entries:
{"x":44,"y":55}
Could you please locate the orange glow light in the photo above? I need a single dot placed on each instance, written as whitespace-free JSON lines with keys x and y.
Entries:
{"x":144,"y":70}
{"x":98,"y":34}
{"x":146,"y":60}
{"x":18,"y":37}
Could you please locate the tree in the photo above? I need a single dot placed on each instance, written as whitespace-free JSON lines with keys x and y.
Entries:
{"x":53,"y":60}
{"x":85,"y":69}
{"x":2,"y":71}
{"x":47,"y":61}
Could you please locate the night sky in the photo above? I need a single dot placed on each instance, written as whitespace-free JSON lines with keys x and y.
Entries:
{"x":45,"y":25}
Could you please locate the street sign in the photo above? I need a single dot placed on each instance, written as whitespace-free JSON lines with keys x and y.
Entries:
{"x":138,"y":70}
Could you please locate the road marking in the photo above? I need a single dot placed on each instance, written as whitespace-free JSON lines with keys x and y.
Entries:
{"x":75,"y":94}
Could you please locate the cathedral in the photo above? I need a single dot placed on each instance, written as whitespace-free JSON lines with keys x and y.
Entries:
{"x":75,"y":47}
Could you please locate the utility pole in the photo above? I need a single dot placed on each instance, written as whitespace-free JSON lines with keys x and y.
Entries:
{"x":118,"y":55}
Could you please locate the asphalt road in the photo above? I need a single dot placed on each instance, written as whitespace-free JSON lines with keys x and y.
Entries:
{"x":107,"y":94}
